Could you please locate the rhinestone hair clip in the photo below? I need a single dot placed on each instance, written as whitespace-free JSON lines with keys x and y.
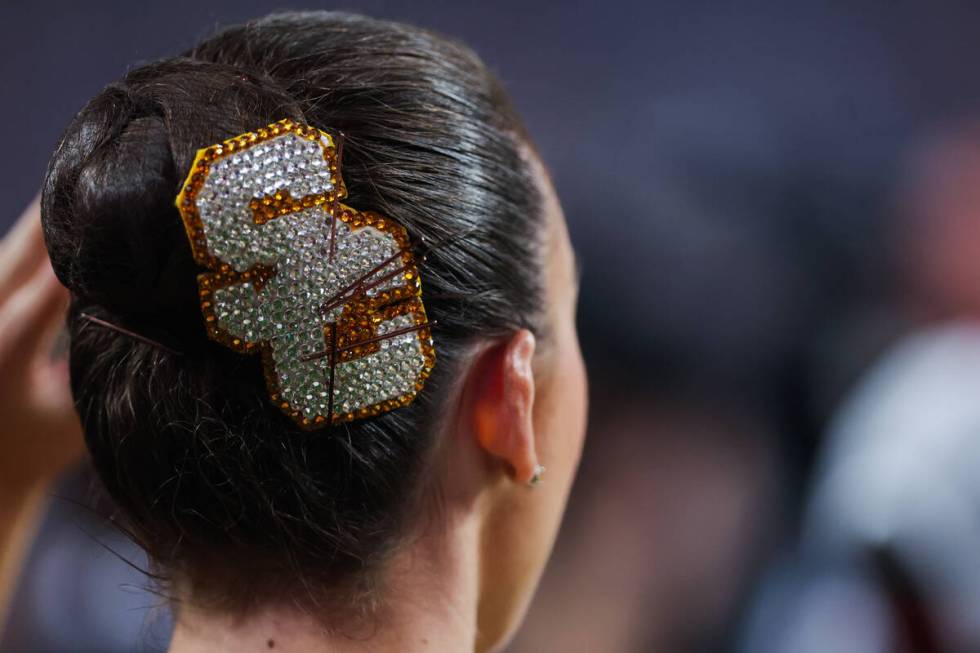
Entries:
{"x":329,"y":296}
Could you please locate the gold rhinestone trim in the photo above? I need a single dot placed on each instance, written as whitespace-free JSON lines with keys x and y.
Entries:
{"x":354,"y":335}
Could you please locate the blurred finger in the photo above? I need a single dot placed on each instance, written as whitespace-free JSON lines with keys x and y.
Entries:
{"x":53,"y":399}
{"x":21,"y":250}
{"x":27,"y":318}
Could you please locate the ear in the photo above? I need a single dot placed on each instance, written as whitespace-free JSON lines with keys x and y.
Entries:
{"x":501,"y":401}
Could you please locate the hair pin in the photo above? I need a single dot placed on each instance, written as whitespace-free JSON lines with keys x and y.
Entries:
{"x":131,"y":334}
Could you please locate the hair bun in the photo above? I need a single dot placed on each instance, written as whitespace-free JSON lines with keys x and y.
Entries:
{"x":114,"y":235}
{"x":232,"y":499}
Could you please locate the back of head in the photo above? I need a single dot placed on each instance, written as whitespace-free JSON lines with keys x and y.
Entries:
{"x":229,"y":496}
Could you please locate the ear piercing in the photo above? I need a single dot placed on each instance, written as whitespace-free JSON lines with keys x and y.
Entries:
{"x":536,"y":478}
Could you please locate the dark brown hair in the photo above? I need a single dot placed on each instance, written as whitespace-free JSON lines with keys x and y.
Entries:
{"x":224,"y":491}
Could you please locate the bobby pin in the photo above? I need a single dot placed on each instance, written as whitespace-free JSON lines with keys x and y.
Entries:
{"x":131,"y":334}
{"x":358,"y":285}
{"x":354,"y":345}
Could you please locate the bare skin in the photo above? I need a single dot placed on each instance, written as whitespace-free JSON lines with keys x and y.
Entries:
{"x":40,"y":431}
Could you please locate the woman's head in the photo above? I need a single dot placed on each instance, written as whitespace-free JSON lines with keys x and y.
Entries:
{"x":233,"y":501}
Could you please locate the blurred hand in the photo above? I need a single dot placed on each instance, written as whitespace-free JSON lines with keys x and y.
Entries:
{"x":39,"y":431}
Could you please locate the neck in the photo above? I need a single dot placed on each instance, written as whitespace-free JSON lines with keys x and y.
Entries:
{"x":430,"y":604}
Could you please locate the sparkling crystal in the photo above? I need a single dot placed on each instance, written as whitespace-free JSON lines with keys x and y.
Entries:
{"x":285,"y":312}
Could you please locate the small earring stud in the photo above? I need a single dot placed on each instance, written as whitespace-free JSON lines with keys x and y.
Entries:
{"x":536,"y":478}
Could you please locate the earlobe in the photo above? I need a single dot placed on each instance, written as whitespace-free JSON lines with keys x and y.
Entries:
{"x":503,"y":404}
